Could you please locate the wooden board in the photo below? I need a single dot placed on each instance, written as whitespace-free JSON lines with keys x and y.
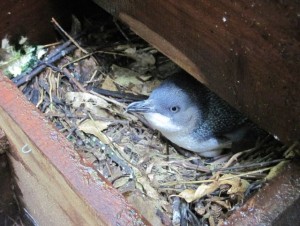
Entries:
{"x":31,"y":18}
{"x":56,"y":188}
{"x":248,"y":52}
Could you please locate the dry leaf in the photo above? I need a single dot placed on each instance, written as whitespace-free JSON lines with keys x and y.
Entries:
{"x":108,"y":84}
{"x":122,"y":47}
{"x":78,"y":98}
{"x":95,"y":127}
{"x":188,"y":195}
{"x":275,"y":170}
{"x":149,"y":168}
{"x":142,"y":59}
{"x":145,"y":78}
{"x":91,"y":103}
{"x":91,"y":125}
{"x":147,"y":88}
{"x":150,"y":191}
{"x":87,"y":67}
{"x":120,"y":182}
{"x":130,"y":51}
{"x":238,"y":185}
{"x":204,"y":189}
{"x":125,"y":77}
{"x":220,"y":201}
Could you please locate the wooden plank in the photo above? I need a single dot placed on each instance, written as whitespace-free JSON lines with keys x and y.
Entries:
{"x":246,"y":51}
{"x":31,"y":18}
{"x":56,"y":187}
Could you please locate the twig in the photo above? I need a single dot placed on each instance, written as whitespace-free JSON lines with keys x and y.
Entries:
{"x":191,"y":166}
{"x":294,"y":145}
{"x":120,"y":29}
{"x":53,"y":53}
{"x":116,"y":94}
{"x":235,"y":157}
{"x":109,"y":149}
{"x":258,"y":146}
{"x":51,"y":44}
{"x":91,"y":54}
{"x":67,"y":35}
{"x":73,"y":80}
{"x":41,"y":98}
{"x":260,"y":164}
{"x":23,"y":78}
{"x":109,"y":99}
{"x":49,"y":75}
{"x":93,"y":77}
{"x":176,"y":211}
{"x":211,"y":180}
{"x":77,"y":60}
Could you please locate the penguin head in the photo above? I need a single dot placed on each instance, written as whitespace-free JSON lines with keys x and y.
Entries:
{"x":169,"y":108}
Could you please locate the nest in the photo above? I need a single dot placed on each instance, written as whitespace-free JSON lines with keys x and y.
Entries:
{"x":84,"y":89}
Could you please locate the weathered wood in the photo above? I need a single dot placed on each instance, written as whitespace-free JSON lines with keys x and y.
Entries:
{"x":57,"y":189}
{"x":31,"y":18}
{"x":246,"y":51}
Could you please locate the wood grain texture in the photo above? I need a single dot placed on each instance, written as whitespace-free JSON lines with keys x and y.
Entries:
{"x":31,"y":18}
{"x":56,"y":187}
{"x":248,"y":52}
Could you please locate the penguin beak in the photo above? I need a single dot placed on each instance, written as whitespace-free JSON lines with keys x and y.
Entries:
{"x":145,"y":106}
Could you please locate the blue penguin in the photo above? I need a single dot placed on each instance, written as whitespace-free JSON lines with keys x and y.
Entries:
{"x":192,"y":117}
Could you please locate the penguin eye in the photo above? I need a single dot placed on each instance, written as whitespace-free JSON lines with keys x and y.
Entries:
{"x":174,"y":109}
